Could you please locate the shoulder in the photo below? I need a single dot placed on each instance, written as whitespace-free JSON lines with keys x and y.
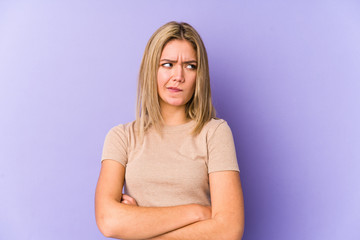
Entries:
{"x":123,"y":127}
{"x":216,"y":126}
{"x":116,"y":143}
{"x":122,"y":130}
{"x":214,"y":122}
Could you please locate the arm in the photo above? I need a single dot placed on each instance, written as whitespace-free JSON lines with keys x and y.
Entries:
{"x":119,"y":220}
{"x":227,"y":221}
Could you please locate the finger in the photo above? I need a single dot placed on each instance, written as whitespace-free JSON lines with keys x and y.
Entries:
{"x":127,"y":197}
{"x":124,"y":196}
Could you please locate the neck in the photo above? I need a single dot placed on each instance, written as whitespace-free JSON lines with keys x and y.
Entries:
{"x":174,"y":115}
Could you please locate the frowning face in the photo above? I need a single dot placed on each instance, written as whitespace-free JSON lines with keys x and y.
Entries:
{"x":177,"y":74}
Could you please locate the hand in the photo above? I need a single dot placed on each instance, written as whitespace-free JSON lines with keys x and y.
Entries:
{"x":126,"y":199}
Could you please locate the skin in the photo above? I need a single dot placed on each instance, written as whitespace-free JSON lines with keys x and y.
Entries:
{"x":227,"y":220}
{"x":117,"y":219}
{"x":177,"y":69}
{"x":119,"y":216}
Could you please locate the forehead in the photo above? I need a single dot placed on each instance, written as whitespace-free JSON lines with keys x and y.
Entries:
{"x":176,"y":48}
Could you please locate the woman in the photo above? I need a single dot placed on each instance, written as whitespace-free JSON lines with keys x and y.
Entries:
{"x":177,"y":161}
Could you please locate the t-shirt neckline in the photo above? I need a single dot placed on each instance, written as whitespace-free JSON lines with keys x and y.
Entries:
{"x":175,"y":128}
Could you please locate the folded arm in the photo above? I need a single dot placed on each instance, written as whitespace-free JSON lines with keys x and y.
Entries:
{"x":119,"y":220}
{"x":227,"y":221}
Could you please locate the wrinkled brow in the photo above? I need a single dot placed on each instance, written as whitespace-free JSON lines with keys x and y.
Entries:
{"x":175,"y":61}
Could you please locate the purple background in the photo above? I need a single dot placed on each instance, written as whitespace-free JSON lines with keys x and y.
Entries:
{"x":284,"y":74}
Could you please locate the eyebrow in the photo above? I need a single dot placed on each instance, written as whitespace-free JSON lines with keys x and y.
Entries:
{"x":174,"y":61}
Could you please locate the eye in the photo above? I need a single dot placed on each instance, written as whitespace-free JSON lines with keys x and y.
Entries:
{"x":166,"y":65}
{"x":191,"y":66}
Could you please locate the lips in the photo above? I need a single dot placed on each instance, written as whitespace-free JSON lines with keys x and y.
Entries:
{"x":174,"y":89}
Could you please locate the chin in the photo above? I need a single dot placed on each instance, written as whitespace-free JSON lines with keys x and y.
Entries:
{"x":176,"y":104}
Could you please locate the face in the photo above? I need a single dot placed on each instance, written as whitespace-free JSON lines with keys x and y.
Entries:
{"x":177,"y":74}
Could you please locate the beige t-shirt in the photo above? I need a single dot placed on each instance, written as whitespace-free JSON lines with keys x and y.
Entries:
{"x":172,"y":169}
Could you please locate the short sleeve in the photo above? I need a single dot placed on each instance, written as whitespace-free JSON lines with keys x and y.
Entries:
{"x":221,"y":149}
{"x":115,"y":145}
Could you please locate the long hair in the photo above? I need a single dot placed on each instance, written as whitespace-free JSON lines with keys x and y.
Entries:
{"x":199,"y":107}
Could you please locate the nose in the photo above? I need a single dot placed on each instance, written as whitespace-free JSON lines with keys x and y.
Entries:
{"x":178,"y":74}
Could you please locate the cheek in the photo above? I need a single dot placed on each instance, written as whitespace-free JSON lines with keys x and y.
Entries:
{"x":193,"y":81}
{"x":161,"y":77}
{"x":160,"y":83}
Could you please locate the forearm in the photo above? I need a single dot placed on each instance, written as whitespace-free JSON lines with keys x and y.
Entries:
{"x":124,"y":221}
{"x":217,"y":228}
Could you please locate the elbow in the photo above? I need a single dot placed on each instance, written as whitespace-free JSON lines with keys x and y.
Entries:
{"x":105,"y":229}
{"x":107,"y":218}
{"x":107,"y":226}
{"x":232,"y":228}
{"x":236,"y":233}
{"x":104,"y":226}
{"x":236,"y":230}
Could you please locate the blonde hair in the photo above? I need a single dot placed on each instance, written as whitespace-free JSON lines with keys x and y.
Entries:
{"x":199,"y":107}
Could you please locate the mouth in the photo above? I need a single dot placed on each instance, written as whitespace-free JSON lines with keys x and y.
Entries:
{"x":174,"y":89}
